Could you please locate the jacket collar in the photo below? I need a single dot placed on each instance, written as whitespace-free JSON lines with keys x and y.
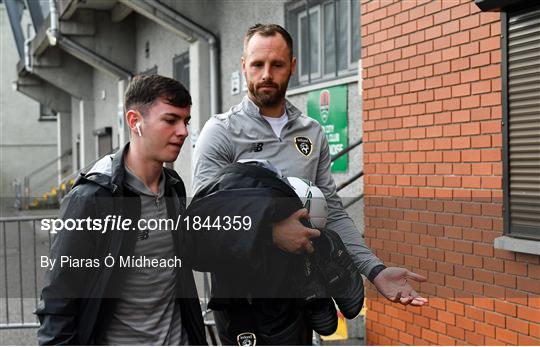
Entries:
{"x":253,"y":110}
{"x":113,"y":179}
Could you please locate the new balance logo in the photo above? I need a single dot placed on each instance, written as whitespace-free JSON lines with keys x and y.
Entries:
{"x":257,"y":147}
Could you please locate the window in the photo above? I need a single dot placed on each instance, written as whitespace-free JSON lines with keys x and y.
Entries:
{"x":521,"y":112}
{"x":46,"y":113}
{"x":103,"y":141}
{"x":150,"y":71}
{"x":326,"y":35}
{"x":181,"y":69}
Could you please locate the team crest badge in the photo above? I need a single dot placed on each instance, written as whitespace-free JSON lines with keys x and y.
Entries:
{"x":246,"y":339}
{"x":303,"y":145}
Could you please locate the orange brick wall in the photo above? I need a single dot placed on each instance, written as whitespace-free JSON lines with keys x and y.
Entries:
{"x":433,"y":176}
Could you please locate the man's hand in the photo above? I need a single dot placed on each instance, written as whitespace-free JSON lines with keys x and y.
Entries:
{"x":392,"y":283}
{"x":292,"y":236}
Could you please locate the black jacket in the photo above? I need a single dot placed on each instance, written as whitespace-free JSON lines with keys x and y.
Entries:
{"x":76,"y":305}
{"x":244,"y":263}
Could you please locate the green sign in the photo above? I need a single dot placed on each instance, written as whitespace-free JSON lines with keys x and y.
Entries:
{"x":329,"y":107}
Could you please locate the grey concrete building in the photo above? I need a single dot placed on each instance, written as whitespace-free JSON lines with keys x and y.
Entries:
{"x":84,"y":53}
{"x":28,"y":138}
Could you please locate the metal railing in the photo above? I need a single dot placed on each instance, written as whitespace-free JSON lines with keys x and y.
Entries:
{"x":21,"y":244}
{"x":28,"y":178}
{"x":353,"y":178}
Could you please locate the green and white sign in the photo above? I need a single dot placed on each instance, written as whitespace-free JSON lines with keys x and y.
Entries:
{"x":329,"y":107}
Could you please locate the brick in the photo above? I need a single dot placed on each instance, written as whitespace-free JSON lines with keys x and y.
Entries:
{"x":461,"y":169}
{"x":456,"y":332}
{"x":473,"y":338}
{"x":505,"y":280}
{"x":459,"y":38}
{"x":471,"y":182}
{"x":485,"y":329}
{"x":481,"y":87}
{"x":492,"y":182}
{"x":461,"y":142}
{"x":491,"y":71}
{"x":472,"y":234}
{"x":471,"y":48}
{"x":406,"y":338}
{"x":485,"y":303}
{"x":437,"y":327}
{"x":433,"y":82}
{"x":527,"y":341}
{"x":481,"y":59}
{"x":448,"y":27}
{"x":489,"y":17}
{"x":535,"y":330}
{"x":460,"y":11}
{"x":494,"y":264}
{"x":483,"y":223}
{"x":507,"y":336}
{"x":506,"y":308}
{"x":463,"y":246}
{"x":480,"y":32}
{"x":441,"y":17}
{"x":474,"y":313}
{"x":483,"y":249}
{"x":470,"y":155}
{"x":451,"y":156}
{"x":529,"y":285}
{"x":481,"y":141}
{"x":493,"y":126}
{"x":469,"y":22}
{"x":491,"y":99}
{"x":442,"y":68}
{"x":430,"y":336}
{"x":460,"y":64}
{"x":495,"y":319}
{"x":470,"y":101}
{"x":483,"y":276}
{"x":472,"y":261}
{"x":491,"y":155}
{"x":470,"y":75}
{"x":482,"y":169}
{"x":461,"y":90}
{"x":490,"y":44}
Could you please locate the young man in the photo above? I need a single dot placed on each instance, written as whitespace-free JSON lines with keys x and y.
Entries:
{"x":266,"y":126}
{"x":127,"y":304}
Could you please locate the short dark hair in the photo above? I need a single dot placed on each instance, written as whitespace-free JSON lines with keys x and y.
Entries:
{"x":144,"y":90}
{"x":266,"y":30}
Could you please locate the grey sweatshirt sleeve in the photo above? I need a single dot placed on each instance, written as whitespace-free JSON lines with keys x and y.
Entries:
{"x":338,"y":219}
{"x":213,"y":151}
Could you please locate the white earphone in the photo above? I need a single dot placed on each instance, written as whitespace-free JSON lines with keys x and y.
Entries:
{"x":138,"y":126}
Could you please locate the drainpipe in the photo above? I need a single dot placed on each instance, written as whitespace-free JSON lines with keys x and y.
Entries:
{"x":27,"y":55}
{"x":93,"y":59}
{"x":80,"y":52}
{"x":189,"y":30}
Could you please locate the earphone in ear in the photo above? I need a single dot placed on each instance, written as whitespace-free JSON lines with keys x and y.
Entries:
{"x":138,"y":126}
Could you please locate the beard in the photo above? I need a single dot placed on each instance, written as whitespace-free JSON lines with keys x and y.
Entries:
{"x":269,"y":98}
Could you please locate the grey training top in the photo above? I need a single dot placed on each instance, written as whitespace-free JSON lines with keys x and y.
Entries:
{"x":301,"y":151}
{"x":147,"y":313}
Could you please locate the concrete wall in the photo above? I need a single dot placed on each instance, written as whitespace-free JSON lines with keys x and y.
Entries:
{"x":125,"y":43}
{"x":232,"y":36}
{"x":116,"y":42}
{"x":25,"y":143}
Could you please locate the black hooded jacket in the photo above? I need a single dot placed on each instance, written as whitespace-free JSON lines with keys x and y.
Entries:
{"x":76,"y":304}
